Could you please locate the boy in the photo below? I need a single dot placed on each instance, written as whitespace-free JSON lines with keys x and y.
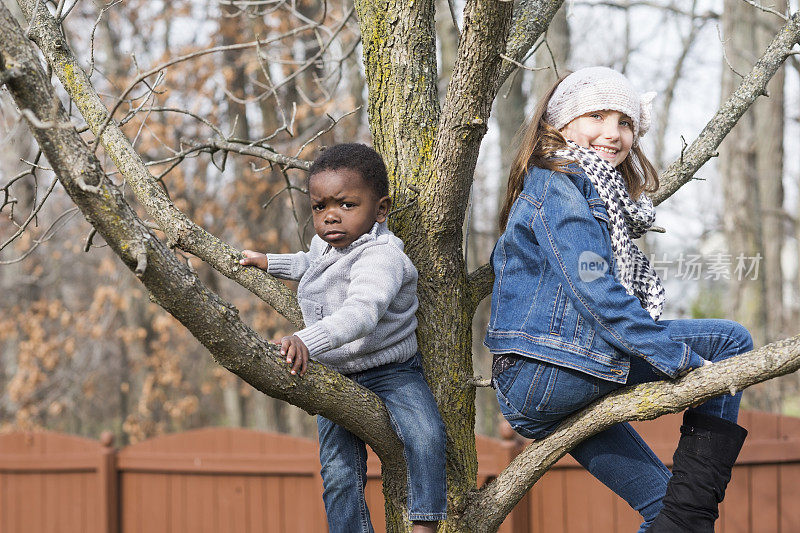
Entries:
{"x":358,"y":295}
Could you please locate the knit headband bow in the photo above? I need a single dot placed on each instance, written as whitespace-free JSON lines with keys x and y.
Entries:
{"x":599,"y":88}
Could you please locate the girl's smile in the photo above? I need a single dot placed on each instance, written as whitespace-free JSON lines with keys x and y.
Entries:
{"x":609,"y":133}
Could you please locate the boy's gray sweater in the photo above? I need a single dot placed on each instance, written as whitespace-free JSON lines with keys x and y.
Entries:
{"x":358,"y":302}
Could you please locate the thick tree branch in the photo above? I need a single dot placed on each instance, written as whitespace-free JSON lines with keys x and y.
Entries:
{"x":480,"y":283}
{"x":399,"y":44}
{"x":214,"y":322}
{"x":752,"y":86}
{"x":180,"y":230}
{"x":465,"y":113}
{"x":486,"y":508}
{"x":531,"y":19}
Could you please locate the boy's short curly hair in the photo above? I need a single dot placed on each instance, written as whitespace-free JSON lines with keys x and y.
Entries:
{"x":358,"y":157}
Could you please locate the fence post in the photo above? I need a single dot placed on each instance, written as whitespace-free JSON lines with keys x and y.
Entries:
{"x":107,"y":485}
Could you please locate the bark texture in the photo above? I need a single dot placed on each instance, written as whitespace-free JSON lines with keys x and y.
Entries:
{"x":169,"y":281}
{"x":487,"y":507}
{"x":430,"y":154}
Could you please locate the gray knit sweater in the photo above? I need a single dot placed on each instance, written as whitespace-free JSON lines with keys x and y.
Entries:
{"x":358,"y":302}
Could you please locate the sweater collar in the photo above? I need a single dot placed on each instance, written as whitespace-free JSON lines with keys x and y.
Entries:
{"x":378,"y":229}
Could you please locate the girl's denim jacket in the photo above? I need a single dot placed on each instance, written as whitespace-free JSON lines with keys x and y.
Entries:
{"x":555,"y":297}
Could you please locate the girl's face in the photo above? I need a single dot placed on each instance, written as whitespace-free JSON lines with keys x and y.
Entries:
{"x":609,"y":133}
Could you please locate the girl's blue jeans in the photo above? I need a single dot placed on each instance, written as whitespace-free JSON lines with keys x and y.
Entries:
{"x":535,"y":397}
{"x":416,"y":420}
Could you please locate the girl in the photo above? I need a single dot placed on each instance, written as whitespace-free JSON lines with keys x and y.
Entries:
{"x":575,"y":304}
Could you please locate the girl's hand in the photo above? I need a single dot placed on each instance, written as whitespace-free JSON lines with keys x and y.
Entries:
{"x":706,"y":362}
{"x":255,"y":259}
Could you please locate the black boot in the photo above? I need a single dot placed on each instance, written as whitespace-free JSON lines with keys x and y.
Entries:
{"x":701,"y":470}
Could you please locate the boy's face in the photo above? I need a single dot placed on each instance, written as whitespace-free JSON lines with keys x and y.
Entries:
{"x":344,"y":206}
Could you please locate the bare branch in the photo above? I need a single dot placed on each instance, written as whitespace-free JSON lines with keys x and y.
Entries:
{"x":172,"y":285}
{"x":36,"y":123}
{"x":451,"y":4}
{"x":766,"y":9}
{"x":87,"y":245}
{"x":179,"y":229}
{"x":25,"y":4}
{"x":480,"y":381}
{"x":530,"y":20}
{"x":669,"y":93}
{"x":752,"y":86}
{"x":265,"y":153}
{"x":520,"y":65}
{"x":725,"y":54}
{"x":34,"y":212}
{"x":671,"y":7}
{"x":48,"y":234}
{"x":486,"y":508}
{"x":465,"y":112}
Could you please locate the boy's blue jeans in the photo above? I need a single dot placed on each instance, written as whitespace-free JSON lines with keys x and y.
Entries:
{"x":535,"y":397}
{"x":416,"y":420}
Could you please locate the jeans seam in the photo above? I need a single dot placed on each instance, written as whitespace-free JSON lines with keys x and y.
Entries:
{"x":537,"y":376}
{"x":550,"y":342}
{"x":508,"y":404}
{"x":608,"y":376}
{"x":362,"y":504}
{"x":548,"y":391}
{"x":516,"y":373}
{"x":410,"y":491}
{"x":554,"y":317}
{"x":706,"y":336}
{"x":428,"y":517}
{"x":533,"y":303}
{"x":522,"y":431}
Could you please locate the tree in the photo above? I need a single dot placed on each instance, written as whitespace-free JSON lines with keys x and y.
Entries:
{"x":751,"y":163}
{"x":430,"y":151}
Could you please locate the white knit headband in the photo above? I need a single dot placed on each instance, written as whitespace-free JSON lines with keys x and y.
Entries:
{"x":596,"y":89}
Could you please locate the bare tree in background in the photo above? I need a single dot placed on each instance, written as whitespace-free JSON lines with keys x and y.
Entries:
{"x":751,"y":168}
{"x":430,"y":147}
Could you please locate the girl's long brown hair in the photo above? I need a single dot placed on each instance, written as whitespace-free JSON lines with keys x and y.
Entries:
{"x":537,"y":141}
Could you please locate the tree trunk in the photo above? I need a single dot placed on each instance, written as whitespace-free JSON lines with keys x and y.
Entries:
{"x":768,"y":116}
{"x":742,"y":213}
{"x":751,"y":167}
{"x":431,"y":157}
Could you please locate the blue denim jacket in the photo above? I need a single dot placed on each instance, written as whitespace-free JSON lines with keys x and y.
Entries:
{"x":555,"y":297}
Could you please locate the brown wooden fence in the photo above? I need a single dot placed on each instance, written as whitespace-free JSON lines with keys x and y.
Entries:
{"x":236,"y":480}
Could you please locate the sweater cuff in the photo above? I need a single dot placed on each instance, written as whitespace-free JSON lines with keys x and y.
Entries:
{"x":315,"y":338}
{"x":279,"y":265}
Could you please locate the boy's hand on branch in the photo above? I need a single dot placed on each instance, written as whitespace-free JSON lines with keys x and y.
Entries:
{"x":255,"y":259}
{"x":296,"y":353}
